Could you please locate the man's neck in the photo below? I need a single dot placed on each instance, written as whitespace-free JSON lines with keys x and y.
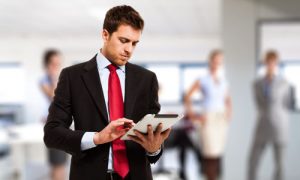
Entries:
{"x":270,"y":76}
{"x":103,"y":52}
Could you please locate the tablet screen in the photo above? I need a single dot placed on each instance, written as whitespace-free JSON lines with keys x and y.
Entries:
{"x":166,"y":116}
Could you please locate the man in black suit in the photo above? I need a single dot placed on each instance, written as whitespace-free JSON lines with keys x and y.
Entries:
{"x":104,"y":97}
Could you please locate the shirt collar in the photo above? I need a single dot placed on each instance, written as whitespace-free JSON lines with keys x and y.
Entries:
{"x":275,"y":77}
{"x":103,"y":62}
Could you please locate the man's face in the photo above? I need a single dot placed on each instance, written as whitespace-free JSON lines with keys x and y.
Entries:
{"x":119,"y":46}
{"x":271,"y":65}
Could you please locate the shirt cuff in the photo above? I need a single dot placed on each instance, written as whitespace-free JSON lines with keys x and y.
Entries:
{"x":87,"y":141}
{"x":155,"y":153}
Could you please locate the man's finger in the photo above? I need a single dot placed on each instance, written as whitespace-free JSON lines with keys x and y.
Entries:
{"x":127,"y":125}
{"x":150,"y":132}
{"x":166,"y":133}
{"x":123,"y":120}
{"x":127,"y":120}
{"x":117,"y":123}
{"x":139,"y":135}
{"x":158,"y":129}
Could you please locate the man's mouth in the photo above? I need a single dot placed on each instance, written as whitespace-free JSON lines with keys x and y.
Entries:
{"x":125,"y":57}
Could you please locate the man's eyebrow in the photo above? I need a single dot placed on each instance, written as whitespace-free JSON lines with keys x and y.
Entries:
{"x":122,"y":37}
{"x":128,"y":39}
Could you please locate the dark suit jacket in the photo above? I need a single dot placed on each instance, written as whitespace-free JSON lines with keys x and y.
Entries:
{"x":79,"y":99}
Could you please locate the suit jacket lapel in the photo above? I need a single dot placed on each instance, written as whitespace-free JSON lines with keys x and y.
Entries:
{"x":130,"y":90}
{"x":92,"y":81}
{"x":262,"y":89}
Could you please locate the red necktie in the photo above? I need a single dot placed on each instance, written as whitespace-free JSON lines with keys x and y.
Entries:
{"x":116,"y":111}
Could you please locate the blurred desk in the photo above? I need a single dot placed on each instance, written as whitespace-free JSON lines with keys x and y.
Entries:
{"x":27,"y":133}
{"x":27,"y":146}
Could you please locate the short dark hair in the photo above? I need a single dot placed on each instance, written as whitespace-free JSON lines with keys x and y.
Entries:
{"x":122,"y":15}
{"x":271,"y":55}
{"x":48,"y":55}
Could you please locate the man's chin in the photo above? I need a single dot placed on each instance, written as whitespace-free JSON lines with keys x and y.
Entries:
{"x":122,"y":62}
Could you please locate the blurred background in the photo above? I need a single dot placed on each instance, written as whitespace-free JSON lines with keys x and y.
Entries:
{"x":176,"y":43}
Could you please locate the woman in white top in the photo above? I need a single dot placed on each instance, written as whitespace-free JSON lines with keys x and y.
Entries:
{"x":216,"y":113}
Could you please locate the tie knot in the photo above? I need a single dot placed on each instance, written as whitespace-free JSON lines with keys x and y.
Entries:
{"x":112,"y":68}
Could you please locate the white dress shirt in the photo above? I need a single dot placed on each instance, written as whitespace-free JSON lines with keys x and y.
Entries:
{"x":87,"y":141}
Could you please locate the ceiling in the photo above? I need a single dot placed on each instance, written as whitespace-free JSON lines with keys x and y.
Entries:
{"x":85,"y":17}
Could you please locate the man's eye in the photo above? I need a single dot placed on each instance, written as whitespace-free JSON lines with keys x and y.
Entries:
{"x":123,"y":40}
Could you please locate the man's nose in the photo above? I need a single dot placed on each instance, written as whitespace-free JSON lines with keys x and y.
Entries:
{"x":128,"y":48}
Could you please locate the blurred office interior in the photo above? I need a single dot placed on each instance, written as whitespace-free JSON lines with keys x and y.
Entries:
{"x":175,"y":44}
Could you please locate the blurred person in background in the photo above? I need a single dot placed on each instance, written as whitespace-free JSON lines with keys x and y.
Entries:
{"x":215,"y":116}
{"x":183,"y":141}
{"x":274,"y":98}
{"x":52,"y":64}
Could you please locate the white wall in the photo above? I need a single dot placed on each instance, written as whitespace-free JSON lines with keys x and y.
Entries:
{"x":239,"y":28}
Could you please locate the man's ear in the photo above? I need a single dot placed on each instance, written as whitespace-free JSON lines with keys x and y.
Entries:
{"x":105,"y":35}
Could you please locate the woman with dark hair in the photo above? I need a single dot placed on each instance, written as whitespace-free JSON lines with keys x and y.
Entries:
{"x":52,"y":65}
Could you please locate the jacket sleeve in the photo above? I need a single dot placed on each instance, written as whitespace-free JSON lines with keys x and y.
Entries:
{"x":154,"y":159}
{"x":291,"y":102}
{"x":57,"y":132}
{"x":154,"y":108}
{"x":256,"y":93}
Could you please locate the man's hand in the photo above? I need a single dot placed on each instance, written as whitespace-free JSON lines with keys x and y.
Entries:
{"x":113,"y":130}
{"x":151,"y":141}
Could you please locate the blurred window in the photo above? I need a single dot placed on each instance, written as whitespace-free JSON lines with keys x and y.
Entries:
{"x":12,"y":81}
{"x":175,"y":79}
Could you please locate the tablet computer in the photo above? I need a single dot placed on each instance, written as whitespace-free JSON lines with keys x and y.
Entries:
{"x":167,"y":121}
